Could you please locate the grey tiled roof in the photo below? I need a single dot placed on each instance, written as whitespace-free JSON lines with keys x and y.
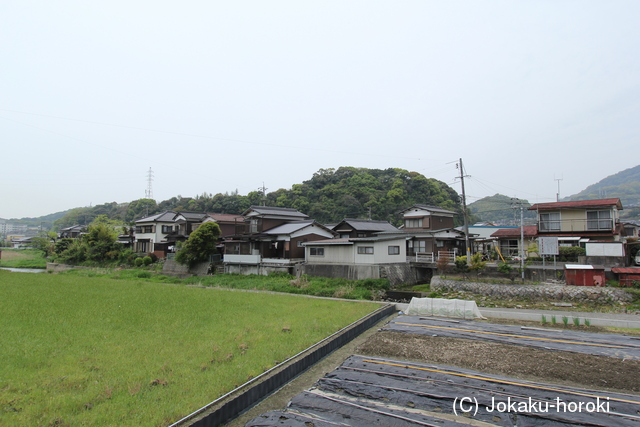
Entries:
{"x":270,"y":210}
{"x":368,"y":225}
{"x":166,"y":216}
{"x":430,"y":209}
{"x":289,"y":227}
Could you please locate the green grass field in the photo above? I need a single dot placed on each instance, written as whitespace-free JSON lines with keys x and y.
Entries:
{"x":99,"y":351}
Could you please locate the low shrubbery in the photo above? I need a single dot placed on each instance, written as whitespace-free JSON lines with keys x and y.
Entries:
{"x":368,"y":289}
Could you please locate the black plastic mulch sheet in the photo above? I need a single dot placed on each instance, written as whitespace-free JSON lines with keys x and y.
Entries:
{"x":367,"y":391}
{"x":611,"y":345}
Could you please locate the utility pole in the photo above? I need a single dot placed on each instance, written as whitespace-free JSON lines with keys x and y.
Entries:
{"x":464,"y":214}
{"x":263,"y":190}
{"x":519,"y":203}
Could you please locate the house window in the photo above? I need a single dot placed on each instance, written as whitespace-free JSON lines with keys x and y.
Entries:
{"x":510,"y":247}
{"x":144,"y":245}
{"x":316,"y":251}
{"x":367,"y":250}
{"x":362,"y":234}
{"x":440,"y":243}
{"x":394,"y":250}
{"x":167,"y":229}
{"x":599,"y":220}
{"x":413,"y":223}
{"x":550,"y":221}
{"x":417,"y":246}
{"x":344,"y":235}
{"x":144,"y":229}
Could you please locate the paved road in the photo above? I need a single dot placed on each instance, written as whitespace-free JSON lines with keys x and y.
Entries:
{"x":620,"y":320}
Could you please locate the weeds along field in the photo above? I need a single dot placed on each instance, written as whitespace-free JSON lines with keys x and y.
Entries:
{"x":22,"y":258}
{"x":99,"y":351}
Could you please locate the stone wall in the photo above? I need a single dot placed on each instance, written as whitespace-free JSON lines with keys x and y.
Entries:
{"x":540,"y":292}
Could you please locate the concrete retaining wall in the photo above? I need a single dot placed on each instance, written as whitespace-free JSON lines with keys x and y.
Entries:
{"x":260,"y":269}
{"x":397,"y":274}
{"x":534,"y":292}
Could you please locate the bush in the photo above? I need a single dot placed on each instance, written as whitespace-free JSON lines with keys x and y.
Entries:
{"x":461,"y":264}
{"x":477,"y":264}
{"x":505,"y":268}
{"x":127,"y":256}
{"x":571,"y":253}
{"x":147,"y":260}
{"x":138,"y":262}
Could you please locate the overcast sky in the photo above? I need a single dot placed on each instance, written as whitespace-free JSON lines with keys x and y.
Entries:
{"x":220,"y":96}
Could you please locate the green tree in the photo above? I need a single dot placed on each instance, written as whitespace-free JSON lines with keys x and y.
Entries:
{"x":43,"y":243}
{"x":200,"y":244}
{"x":99,"y":244}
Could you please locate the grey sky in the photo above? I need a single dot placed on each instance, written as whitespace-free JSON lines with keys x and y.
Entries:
{"x":217,"y":96}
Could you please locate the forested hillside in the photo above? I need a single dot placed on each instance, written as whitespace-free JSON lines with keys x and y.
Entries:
{"x":624,"y":185}
{"x":501,"y":210}
{"x":329,"y":196}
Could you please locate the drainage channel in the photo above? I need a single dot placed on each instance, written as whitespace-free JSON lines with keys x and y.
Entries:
{"x":232,"y":404}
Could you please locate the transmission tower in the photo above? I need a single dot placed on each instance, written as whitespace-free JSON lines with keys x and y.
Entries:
{"x":148,"y":193}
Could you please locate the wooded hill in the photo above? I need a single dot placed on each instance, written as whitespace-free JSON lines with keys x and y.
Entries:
{"x":328,"y":197}
{"x":501,"y":210}
{"x":624,"y":185}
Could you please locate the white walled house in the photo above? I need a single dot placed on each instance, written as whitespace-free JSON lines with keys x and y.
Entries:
{"x":366,"y":250}
{"x":153,"y":230}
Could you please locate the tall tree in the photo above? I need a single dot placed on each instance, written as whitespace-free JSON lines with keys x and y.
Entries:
{"x":200,"y":244}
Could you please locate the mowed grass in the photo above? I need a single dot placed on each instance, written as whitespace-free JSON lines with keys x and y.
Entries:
{"x":98,"y":351}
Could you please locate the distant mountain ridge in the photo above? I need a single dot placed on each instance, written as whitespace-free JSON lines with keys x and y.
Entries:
{"x":624,"y":185}
{"x":500,"y":210}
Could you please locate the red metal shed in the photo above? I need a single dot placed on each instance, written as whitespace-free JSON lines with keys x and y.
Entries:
{"x":584,"y":275}
{"x":626,"y":276}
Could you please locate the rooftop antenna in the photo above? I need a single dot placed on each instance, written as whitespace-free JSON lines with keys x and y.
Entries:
{"x":558,"y":193}
{"x":148,"y":193}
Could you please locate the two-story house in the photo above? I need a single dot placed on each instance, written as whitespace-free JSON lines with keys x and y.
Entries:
{"x":227,"y":223}
{"x":159,"y":233}
{"x":432,"y":231}
{"x":580,"y":221}
{"x":270,"y":236}
{"x":352,"y":228}
{"x":151,"y":233}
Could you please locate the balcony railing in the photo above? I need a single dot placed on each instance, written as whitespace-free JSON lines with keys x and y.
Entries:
{"x":432,"y":258}
{"x":568,"y":225}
